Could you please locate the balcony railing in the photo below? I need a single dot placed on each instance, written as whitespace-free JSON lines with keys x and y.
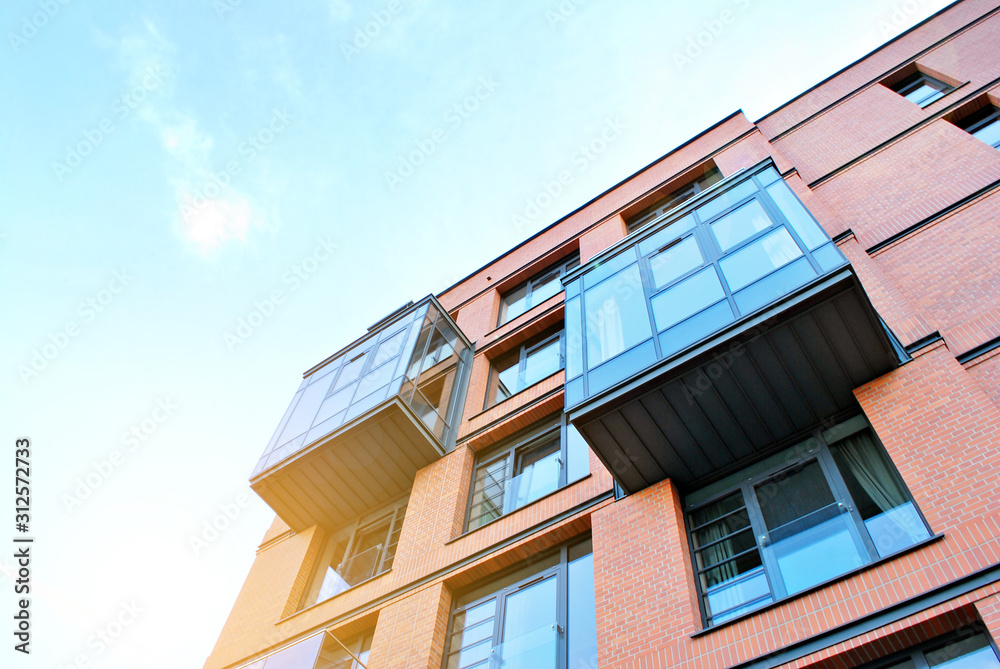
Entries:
{"x":366,"y":419}
{"x":714,"y":332}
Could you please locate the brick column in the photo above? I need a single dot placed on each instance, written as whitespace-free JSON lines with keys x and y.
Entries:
{"x":410,"y":632}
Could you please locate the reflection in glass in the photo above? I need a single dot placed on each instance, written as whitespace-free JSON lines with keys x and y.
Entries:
{"x":759,"y":258}
{"x":616,"y":316}
{"x":675,"y":261}
{"x":973,"y":652}
{"x":687,"y":298}
{"x":582,"y":623}
{"x":529,"y":638}
{"x":798,"y":217}
{"x":741,"y":224}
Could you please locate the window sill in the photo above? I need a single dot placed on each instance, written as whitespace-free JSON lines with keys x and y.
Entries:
{"x":915,"y":547}
{"x":512,"y":513}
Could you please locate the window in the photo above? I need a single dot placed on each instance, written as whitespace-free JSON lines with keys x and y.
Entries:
{"x":723,"y":256}
{"x":536,"y":359}
{"x":711,"y":176}
{"x":983,"y":125}
{"x":968,"y":649}
{"x":539,"y":617}
{"x":536,"y":290}
{"x":922,"y":89}
{"x":526,"y":469}
{"x":349,"y":654}
{"x":370,"y":550}
{"x":800,"y":518}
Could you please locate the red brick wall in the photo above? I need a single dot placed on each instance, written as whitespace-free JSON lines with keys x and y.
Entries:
{"x":986,"y":370}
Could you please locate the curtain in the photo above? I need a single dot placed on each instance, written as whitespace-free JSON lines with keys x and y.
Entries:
{"x":713,"y":555}
{"x":873,"y":472}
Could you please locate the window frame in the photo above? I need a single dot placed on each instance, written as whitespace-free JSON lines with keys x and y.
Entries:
{"x":813,"y":448}
{"x":913,"y":82}
{"x":674,"y":199}
{"x":560,"y":571}
{"x":917,"y":653}
{"x":978,"y":123}
{"x":562,"y":266}
{"x":525,"y":351}
{"x":513,"y":450}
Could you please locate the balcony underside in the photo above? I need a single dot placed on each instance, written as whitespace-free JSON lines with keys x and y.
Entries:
{"x":354,"y":471}
{"x":738,"y":394}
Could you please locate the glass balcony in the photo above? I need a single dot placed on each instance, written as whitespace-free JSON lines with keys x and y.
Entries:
{"x":706,"y":337}
{"x":366,"y":419}
{"x":531,"y":649}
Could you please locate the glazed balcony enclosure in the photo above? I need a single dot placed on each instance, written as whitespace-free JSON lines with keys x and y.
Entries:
{"x":727,"y":326}
{"x":366,"y":419}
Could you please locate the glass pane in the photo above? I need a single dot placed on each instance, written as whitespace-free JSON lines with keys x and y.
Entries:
{"x":514,"y":304}
{"x":819,"y":553}
{"x":774,"y":285}
{"x":762,"y":257}
{"x":581,"y":647}
{"x":574,"y":339}
{"x":726,"y":200}
{"x":741,"y":224}
{"x":389,"y":348}
{"x":507,"y":379}
{"x":350,"y":372}
{"x":529,"y":634}
{"x":735,"y":596}
{"x":798,"y":216}
{"x":488,"y":492}
{"x":733,"y":526}
{"x":924,"y":94}
{"x":664,"y":236}
{"x":542,"y":362}
{"x":711,"y":512}
{"x":793,"y":495}
{"x":301,"y":654}
{"x":545,"y":287}
{"x":970,"y":653}
{"x":577,"y":455}
{"x":989,"y":133}
{"x":376,"y":379}
{"x":686,"y":298}
{"x":616,"y":316}
{"x":538,"y":475}
{"x":675,"y":261}
{"x":304,"y":412}
{"x":879,"y":495}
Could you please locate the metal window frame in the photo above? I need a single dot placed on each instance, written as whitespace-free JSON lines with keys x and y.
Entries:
{"x":818,"y":451}
{"x":979,"y":124}
{"x":512,"y":450}
{"x":917,"y":654}
{"x":559,"y":571}
{"x":524,"y":352}
{"x":562,"y":266}
{"x":395,"y":515}
{"x":918,"y":79}
{"x":711,"y":251}
{"x":691,"y":189}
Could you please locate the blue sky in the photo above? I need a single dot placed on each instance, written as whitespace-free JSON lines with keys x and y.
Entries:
{"x":201,"y":200}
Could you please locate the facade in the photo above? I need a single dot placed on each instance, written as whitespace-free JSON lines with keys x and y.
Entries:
{"x":742,"y":409}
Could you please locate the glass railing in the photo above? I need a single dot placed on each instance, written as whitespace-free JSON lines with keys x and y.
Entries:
{"x":536,"y":481}
{"x":352,"y":571}
{"x":719,"y":258}
{"x":536,"y":649}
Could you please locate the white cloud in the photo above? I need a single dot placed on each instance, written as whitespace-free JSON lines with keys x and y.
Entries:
{"x":208,"y":216}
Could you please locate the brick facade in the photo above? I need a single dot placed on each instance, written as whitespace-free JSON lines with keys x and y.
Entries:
{"x":909,"y":198}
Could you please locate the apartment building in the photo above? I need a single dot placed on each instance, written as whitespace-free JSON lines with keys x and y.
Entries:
{"x":740,"y":410}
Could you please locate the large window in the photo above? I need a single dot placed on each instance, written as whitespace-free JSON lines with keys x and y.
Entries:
{"x":677,"y":197}
{"x":525,"y":469}
{"x":984,"y":125}
{"x":536,"y":359}
{"x":365,"y":552}
{"x":922,"y":89}
{"x":968,"y":649}
{"x":536,"y":290}
{"x":539,"y":617}
{"x":800,"y":518}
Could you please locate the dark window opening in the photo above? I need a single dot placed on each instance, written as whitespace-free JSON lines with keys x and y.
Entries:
{"x":536,"y":290}
{"x":536,"y":359}
{"x":984,"y":125}
{"x":922,"y":89}
{"x":677,"y":197}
